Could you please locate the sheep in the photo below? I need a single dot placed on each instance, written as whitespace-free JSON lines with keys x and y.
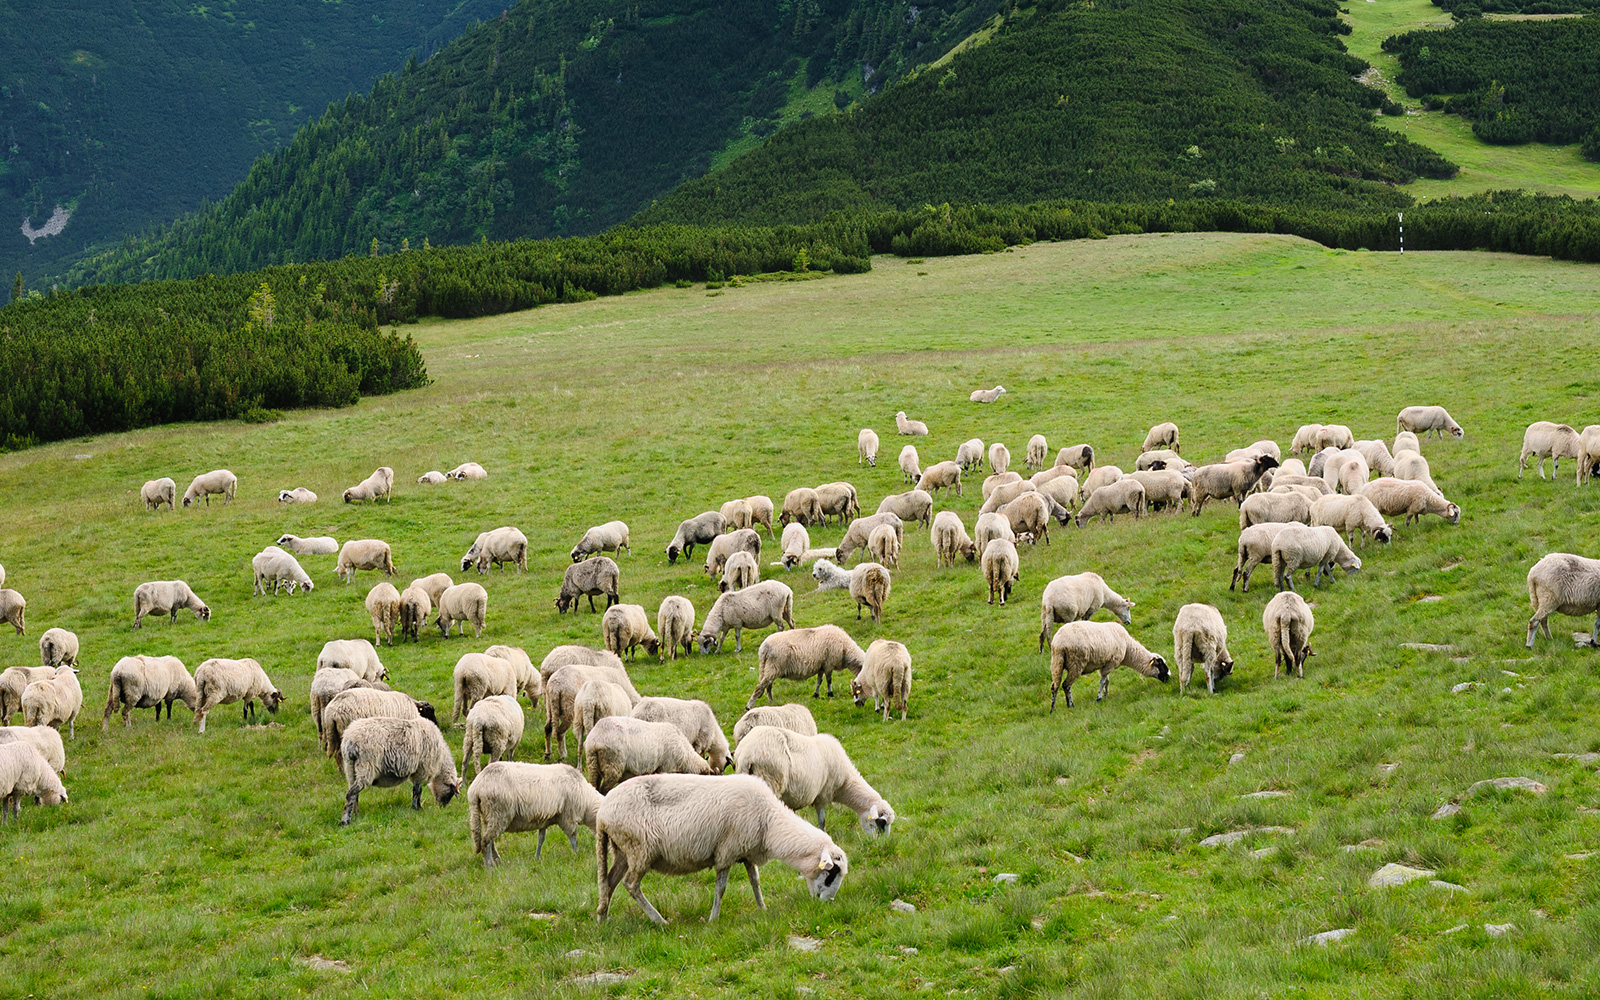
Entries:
{"x":942,"y":475}
{"x":1264,"y":508}
{"x":986,"y":395}
{"x":1319,"y":549}
{"x":1255,"y":548}
{"x":1200,"y":634}
{"x":1543,"y":440}
{"x":589,"y":578}
{"x":1228,"y":480}
{"x":1103,"y":475}
{"x":736,"y":513}
{"x":999,"y":458}
{"x":1054,"y":472}
{"x":561,"y":695}
{"x":1289,"y":467}
{"x":741,"y":571}
{"x":1000,"y":562}
{"x":620,"y":747}
{"x":699,"y":530}
{"x":860,"y":532}
{"x":989,"y":527}
{"x":884,"y":544}
{"x":204,"y":485}
{"x":1563,"y":583}
{"x":432,"y":478}
{"x":802,"y":506}
{"x":767,"y":603}
{"x":746,"y":540}
{"x":509,"y":797}
{"x":796,"y":541}
{"x":914,"y":506}
{"x":913,"y":428}
{"x":868,"y":584}
{"x":838,"y":500}
{"x":562,"y":656}
{"x":415,"y":607}
{"x":1030,"y":514}
{"x":1319,"y":461}
{"x":1162,"y":488}
{"x":794,"y":717}
{"x":1255,"y":450}
{"x":365,"y":553}
{"x":1077,"y":598}
{"x":161,"y":491}
{"x":1427,"y":419}
{"x":15,"y":680}
{"x":596,"y":700}
{"x":1588,"y":455}
{"x":1351,"y":516}
{"x":997,"y":480}
{"x":1394,"y":497}
{"x":319,"y":546}
{"x":1038,"y":452}
{"x":867,"y":447}
{"x":761,"y":512}
{"x":351,"y":704}
{"x":461,"y":604}
{"x":887,"y":677}
{"x":44,"y":739}
{"x":1063,"y":490}
{"x":1377,"y":455}
{"x":910,"y":463}
{"x":387,"y":752}
{"x":1125,"y":496}
{"x":802,"y":653}
{"x":53,"y":700}
{"x":506,"y":545}
{"x":159,"y":597}
{"x":297,"y":495}
{"x":1406,"y":441}
{"x":695,"y":720}
{"x":26,"y":773}
{"x":14,"y":610}
{"x":1335,"y":436}
{"x":1161,"y":436}
{"x":58,"y":646}
{"x":1312,"y":494}
{"x":678,"y":824}
{"x":467,"y":470}
{"x":383,"y":604}
{"x":1076,"y":456}
{"x":1081,"y":648}
{"x":358,"y":656}
{"x":477,"y":676}
{"x":1161,"y":458}
{"x":379,"y":484}
{"x":1316,"y":483}
{"x":1305,"y":439}
{"x":1288,"y":623}
{"x":675,"y":626}
{"x":222,"y":682}
{"x":970,"y":453}
{"x":1003,"y":493}
{"x":494,"y":727}
{"x":812,"y":772}
{"x":1347,"y":471}
{"x":327,"y":683}
{"x":625,"y":627}
{"x":148,"y":682}
{"x":277,"y":567}
{"x":609,"y":537}
{"x":434,"y":585}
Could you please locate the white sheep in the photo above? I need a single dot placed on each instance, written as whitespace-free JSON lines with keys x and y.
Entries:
{"x":868,"y":584}
{"x":58,"y":646}
{"x":949,"y":537}
{"x":941,"y":476}
{"x":1427,"y":419}
{"x":358,"y":656}
{"x":597,"y":700}
{"x":1076,"y":456}
{"x":351,"y":704}
{"x":1377,"y":455}
{"x":1161,"y":458}
{"x":43,"y":739}
{"x":838,"y":499}
{"x":860,"y":532}
{"x":26,"y":773}
{"x":620,"y":747}
{"x":999,"y":458}
{"x":1394,"y":497}
{"x":460,"y":605}
{"x":327,"y":683}
{"x":297,"y":495}
{"x":1200,"y":634}
{"x":1311,"y":493}
{"x":793,"y":716}
{"x":1124,"y":496}
{"x":609,"y":537}
{"x":1000,"y":562}
{"x":736,"y":513}
{"x":164,"y":597}
{"x":432,"y":478}
{"x":969,"y":454}
{"x":379,"y":484}
{"x":1351,"y":516}
{"x":277,"y":567}
{"x":914,"y":428}
{"x":723,"y":546}
{"x":910,"y":463}
{"x":494,"y":727}
{"x":796,"y":541}
{"x":1038,"y":452}
{"x":508,"y":797}
{"x":1081,"y":648}
{"x":1335,"y":436}
{"x":477,"y":676}
{"x":914,"y":506}
{"x":222,"y":682}
{"x":15,"y":680}
{"x":761,"y":512}
{"x":364,"y":553}
{"x":14,"y":610}
{"x":867,"y":447}
{"x":1250,"y":452}
{"x":1588,"y":456}
{"x":741,"y":571}
{"x":204,"y":485}
{"x":1264,"y":508}
{"x":387,"y":752}
{"x":1030,"y":514}
{"x":1563,"y":583}
{"x":1350,"y":471}
{"x":1161,"y":436}
{"x":1228,"y":480}
{"x":1313,"y":482}
{"x":1102,"y":475}
{"x":884,"y":544}
{"x":812,"y":772}
{"x":383,"y":606}
{"x":319,"y":546}
{"x":54,"y":700}
{"x":1298,"y":547}
{"x":157,"y":492}
{"x":625,"y":627}
{"x":802,"y":653}
{"x":467,"y":470}
{"x":148,"y":682}
{"x":800,"y":505}
{"x":415,"y":607}
{"x":1001,"y":490}
{"x":1288,"y":622}
{"x":695,"y":720}
{"x":1289,"y":467}
{"x":1543,"y":440}
{"x":1049,"y":475}
{"x":886,"y":678}
{"x":675,"y":626}
{"x":1077,"y":598}
{"x":1163,"y":488}
{"x":1255,"y":548}
{"x":1305,"y":439}
{"x":502,"y":546}
{"x":986,"y":395}
{"x":767,"y":603}
{"x":434,"y":585}
{"x":561,"y":690}
{"x":590,"y":579}
{"x":989,"y":527}
{"x":1406,"y":441}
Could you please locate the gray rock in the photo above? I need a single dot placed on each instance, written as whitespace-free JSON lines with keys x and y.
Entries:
{"x":576,"y":953}
{"x":1463,"y":686}
{"x":599,"y":979}
{"x":1498,"y":930}
{"x":1448,"y":886}
{"x":901,"y":906}
{"x":1063,"y":780}
{"x":1587,"y":811}
{"x":1328,"y":937}
{"x":1579,"y":856}
{"x":1458,"y":928}
{"x":536,"y":915}
{"x":1386,"y":768}
{"x":1429,"y":647}
{"x":1267,"y":794}
{"x":1007,"y":877}
{"x":1393,"y":874}
{"x":1585,"y":759}
{"x":1236,"y":758}
{"x":801,"y":943}
{"x":907,"y":949}
{"x":1446,"y":811}
{"x":1429,"y":599}
{"x":1518,"y":784}
{"x":321,"y":964}
{"x":1234,"y":836}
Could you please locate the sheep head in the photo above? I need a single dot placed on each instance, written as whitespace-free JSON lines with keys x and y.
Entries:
{"x":272,"y":699}
{"x":1158,"y":668}
{"x":203,"y":613}
{"x":824,"y":880}
{"x":878,"y":819}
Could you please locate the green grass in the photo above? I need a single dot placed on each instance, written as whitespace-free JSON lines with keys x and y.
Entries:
{"x":1533,"y":166}
{"x":189,"y":866}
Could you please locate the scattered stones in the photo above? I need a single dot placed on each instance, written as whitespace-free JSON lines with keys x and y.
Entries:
{"x":1582,"y":641}
{"x":1445,"y":811}
{"x":1266,"y":794}
{"x":1328,"y":937}
{"x":1262,"y":852}
{"x":1078,"y":860}
{"x":1429,"y":599}
{"x":800,"y":942}
{"x":1236,"y":758}
{"x":325,"y":964}
{"x":1063,"y":780}
{"x":1386,"y":768}
{"x":805,"y":991}
{"x":1579,"y":855}
{"x":1365,"y":845}
{"x":1447,"y":886}
{"x":1519,"y":784}
{"x":1234,"y":836}
{"x":901,"y":906}
{"x":1429,"y":647}
{"x":1446,"y":569}
{"x":1585,"y":759}
{"x":907,"y":949}
{"x":1498,"y":930}
{"x":599,"y":979}
{"x":577,"y":953}
{"x":1393,"y":874}
{"x":1458,"y":928}
{"x":1007,"y":968}
{"x":1009,"y":878}
{"x":1510,"y":673}
{"x":1461,"y":661}
{"x":1464,"y":686}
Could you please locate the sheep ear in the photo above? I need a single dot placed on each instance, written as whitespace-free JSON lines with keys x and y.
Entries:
{"x":826,"y":862}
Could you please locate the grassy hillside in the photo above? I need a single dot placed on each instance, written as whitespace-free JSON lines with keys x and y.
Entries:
{"x":186,"y":865}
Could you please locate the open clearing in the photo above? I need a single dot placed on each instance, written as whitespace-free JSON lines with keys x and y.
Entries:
{"x":188,"y":865}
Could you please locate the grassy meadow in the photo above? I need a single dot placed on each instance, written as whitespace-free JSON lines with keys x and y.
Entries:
{"x":188,"y":865}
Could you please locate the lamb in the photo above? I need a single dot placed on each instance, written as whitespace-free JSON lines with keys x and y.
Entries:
{"x":204,"y":485}
{"x":1000,"y":562}
{"x":1255,"y":548}
{"x":160,"y":597}
{"x":25,"y":773}
{"x":767,"y":603}
{"x":1394,"y":497}
{"x":986,"y":395}
{"x":1588,"y":455}
{"x":1406,"y":441}
{"x":434,"y":585}
{"x":1003,"y":493}
{"x":1562,"y":583}
{"x":297,"y":495}
{"x":353,"y":704}
{"x":1351,"y":516}
{"x":596,"y":700}
{"x":794,"y":717}
{"x":1081,"y":648}
{"x":796,"y":542}
{"x":54,"y":700}
{"x":327,"y":683}
{"x":941,"y":476}
{"x":914,"y":506}
{"x":494,"y":727}
{"x":1427,"y":419}
{"x":1125,"y":496}
{"x":949,"y":537}
{"x":319,"y":546}
{"x":14,"y":610}
{"x":1200,"y":634}
{"x":358,"y":656}
{"x":620,"y":747}
{"x":1305,"y":439}
{"x":366,"y":553}
{"x":675,"y":626}
{"x":910,"y":463}
{"x":379,"y":484}
{"x":1161,"y":458}
{"x":1264,"y":508}
{"x":867,"y":447}
{"x":760,"y":512}
{"x":838,"y":500}
{"x":1038,"y":452}
{"x":802,"y":506}
{"x":148,"y":682}
{"x":914,"y":428}
{"x":1161,"y":436}
{"x":461,"y":604}
{"x":746,"y":540}
{"x":415,"y":607}
{"x":1335,"y":436}
{"x":159,"y":491}
{"x":1254,"y":451}
{"x":736,"y":513}
{"x":1298,"y":547}
{"x":1163,"y":488}
{"x":383,"y":604}
{"x":277,"y":567}
{"x":222,"y":682}
{"x":625,"y":627}
{"x":678,"y":824}
{"x":1030,"y":514}
{"x":589,"y":578}
{"x":969,"y":455}
{"x":1103,"y":475}
{"x":1077,"y":456}
{"x":1077,"y":598}
{"x":887,"y":677}
{"x":989,"y":527}
{"x":507,"y":545}
{"x":1543,"y":440}
{"x":1288,"y":623}
{"x":609,"y":537}
{"x":803,"y":653}
{"x":884,"y":545}
{"x":860,"y":532}
{"x":561,"y":695}
{"x":58,"y":646}
{"x":1228,"y":480}
{"x":15,"y":680}
{"x":467,"y":470}
{"x":507,"y":797}
{"x":1377,"y":455}
{"x":812,"y":772}
{"x":45,"y":740}
{"x":999,"y":458}
{"x":1317,"y":483}
{"x":387,"y":752}
{"x":868,"y":584}
{"x":700,"y":530}
{"x":695,"y":720}
{"x":432,"y":478}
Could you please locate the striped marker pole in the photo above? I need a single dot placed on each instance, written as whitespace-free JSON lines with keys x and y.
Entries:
{"x":1402,"y":217}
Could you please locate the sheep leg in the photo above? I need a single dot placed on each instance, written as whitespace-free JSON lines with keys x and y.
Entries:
{"x":631,"y":883}
{"x":416,"y":795}
{"x":1105,"y":685}
{"x":1594,"y":636}
{"x":538,"y":852}
{"x":716,"y":899}
{"x":755,"y":884}
{"x":738,"y":639}
{"x":822,"y":816}
{"x":1211,"y":678}
{"x":352,"y":801}
{"x":1533,"y":630}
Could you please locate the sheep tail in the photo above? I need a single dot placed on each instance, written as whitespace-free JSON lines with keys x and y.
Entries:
{"x":475,"y":823}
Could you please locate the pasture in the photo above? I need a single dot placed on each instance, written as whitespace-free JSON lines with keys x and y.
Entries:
{"x":188,"y":865}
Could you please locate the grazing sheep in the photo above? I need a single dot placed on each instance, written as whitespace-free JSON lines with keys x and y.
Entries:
{"x":1076,"y":456}
{"x":590,"y":579}
{"x":796,"y":542}
{"x":1311,"y":493}
{"x":277,"y":567}
{"x":562,"y":656}
{"x":58,"y":646}
{"x":415,"y":607}
{"x":609,"y":537}
{"x":204,"y":485}
{"x":1081,"y":648}
{"x":383,"y":604}
{"x":1264,"y":508}
{"x":477,"y":676}
{"x":1427,"y":419}
{"x":1063,"y":491}
{"x":625,"y":627}
{"x":761,"y":512}
{"x":1297,"y":547}
{"x":462,"y":604}
{"x":1406,"y":441}
{"x":794,"y":717}
{"x":1288,"y":623}
{"x":741,"y":571}
{"x":1543,"y":440}
{"x":1588,"y":456}
{"x":1161,"y":458}
{"x":223,"y":682}
{"x":999,"y":479}
{"x":1103,"y":475}
{"x":867,"y":447}
{"x":1335,"y":436}
{"x":679,"y":824}
{"x":383,"y":753}
{"x":999,"y":458}
{"x":675,"y":626}
{"x":162,"y":491}
{"x":802,"y":506}
{"x":949,"y":537}
{"x":1351,"y":516}
{"x":1562,"y":583}
{"x":1077,"y":598}
{"x":1228,"y":480}
{"x":1347,"y":471}
{"x":1044,"y":476}
{"x":736,"y":513}
{"x":886,"y":678}
{"x":596,"y":700}
{"x":434,"y":586}
{"x":838,"y":500}
{"x":941,"y":476}
{"x":913,"y":507}
{"x":44,"y":739}
{"x":365,"y":553}
{"x":529,"y":679}
{"x":1253,"y":451}
{"x":914,"y":428}
{"x":884,"y":545}
{"x":507,"y":545}
{"x":700,"y":530}
{"x":54,"y":700}
{"x":695,"y":720}
{"x":1161,"y":436}
{"x":861,"y":529}
{"x":1317,"y":483}
{"x":1125,"y":496}
{"x":1255,"y":548}
{"x":1394,"y":497}
{"x":319,"y":546}
{"x":1000,"y":563}
{"x":160,"y":597}
{"x":15,"y":680}
{"x":26,"y":773}
{"x":1377,"y":455}
{"x":1163,"y":488}
{"x":813,"y":772}
{"x":802,"y":653}
{"x":432,"y":478}
{"x":1305,"y":439}
{"x":620,"y":747}
{"x":379,"y":484}
{"x":1003,"y":493}
{"x":910,"y":463}
{"x":1200,"y":634}
{"x":561,"y":695}
{"x":358,"y":656}
{"x":1038,"y":452}
{"x":148,"y":682}
{"x":989,"y":527}
{"x":508,"y":797}
{"x":986,"y":395}
{"x":868,"y":584}
{"x":351,"y":704}
{"x":324,"y":685}
{"x":767,"y":603}
{"x":1030,"y":514}
{"x":1290,"y":467}
{"x":969,"y":455}
{"x":14,"y":610}
{"x":494,"y":727}
{"x":297,"y":495}
{"x":746,"y":540}
{"x":467,"y":470}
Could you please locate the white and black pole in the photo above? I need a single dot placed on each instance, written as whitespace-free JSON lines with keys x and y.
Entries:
{"x":1402,"y":217}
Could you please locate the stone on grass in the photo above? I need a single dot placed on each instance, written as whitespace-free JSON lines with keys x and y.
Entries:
{"x":1518,"y":784}
{"x":1328,"y":937}
{"x":325,"y":964}
{"x":1579,"y":856}
{"x":1007,"y":877}
{"x":1269,"y":793}
{"x":907,"y":949}
{"x":1582,"y":758}
{"x":1463,"y":686}
{"x":1458,"y":928}
{"x":801,"y":943}
{"x":1234,"y":836}
{"x":1393,"y":874}
{"x":576,"y":953}
{"x":901,"y":906}
{"x":1446,"y":811}
{"x":1236,"y":758}
{"x":600,"y":979}
{"x":1498,"y":930}
{"x":1449,"y":886}
{"x":1429,"y":647}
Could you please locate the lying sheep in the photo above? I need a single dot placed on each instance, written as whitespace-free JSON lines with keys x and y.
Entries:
{"x":1543,"y":440}
{"x":1081,"y":648}
{"x":508,"y":797}
{"x":741,"y":571}
{"x":1103,"y":475}
{"x":596,"y":700}
{"x":159,"y":597}
{"x":860,"y":532}
{"x":319,"y":546}
{"x":561,"y":695}
{"x":58,"y":646}
{"x":1562,"y":583}
{"x":986,"y":395}
{"x":609,"y":537}
{"x":1351,"y":516}
{"x":1228,"y":480}
{"x":432,"y":478}
{"x":358,"y":656}
{"x":467,"y":470}
{"x":15,"y":680}
{"x":625,"y":627}
{"x":1125,"y":496}
{"x":507,"y":545}
{"x":910,"y":463}
{"x":25,"y":773}
{"x":277,"y":567}
{"x":415,"y":607}
{"x":802,"y":653}
{"x":969,"y":454}
{"x":736,"y":513}
{"x":1427,"y":419}
{"x":589,"y":578}
{"x":619,"y":748}
{"x":379,"y":484}
{"x":14,"y":610}
{"x":365,"y":553}
{"x":1305,"y":439}
{"x":1394,"y":497}
{"x":383,"y":753}
{"x":1588,"y":455}
{"x":1377,"y":455}
{"x":699,"y":530}
{"x":1077,"y":598}
{"x":746,"y":540}
{"x":802,"y":506}
{"x":1255,"y":548}
{"x":695,"y":720}
{"x":462,"y":604}
{"x":1264,"y":508}
{"x":1406,"y":441}
{"x":324,"y":685}
{"x":912,"y":507}
{"x":868,"y":584}
{"x":813,"y":772}
{"x":1335,"y":436}
{"x":1163,"y":488}
{"x":54,"y":700}
{"x":886,"y":678}
{"x":1288,"y":623}
{"x":1200,"y":634}
{"x":989,"y":527}
{"x":999,"y":458}
{"x":351,"y":704}
{"x":941,"y":476}
{"x":793,"y":717}
{"x":838,"y":500}
{"x":43,"y":739}
{"x":494,"y":727}
{"x":1003,"y":493}
{"x":1030,"y":514}
{"x":148,"y":682}
{"x":767,"y":603}
{"x":675,"y":626}
{"x":1161,"y":436}
{"x":1000,"y":562}
{"x":796,"y":540}
{"x":914,"y":428}
{"x":884,"y":545}
{"x":297,"y":495}
{"x":1077,"y":456}
{"x":162,"y":491}
{"x":223,"y":682}
{"x":684,"y":823}
{"x":1297,"y":547}
{"x":1253,"y":451}
{"x":383,"y":605}
{"x":1038,"y":452}
{"x":867,"y":447}
{"x":204,"y":485}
